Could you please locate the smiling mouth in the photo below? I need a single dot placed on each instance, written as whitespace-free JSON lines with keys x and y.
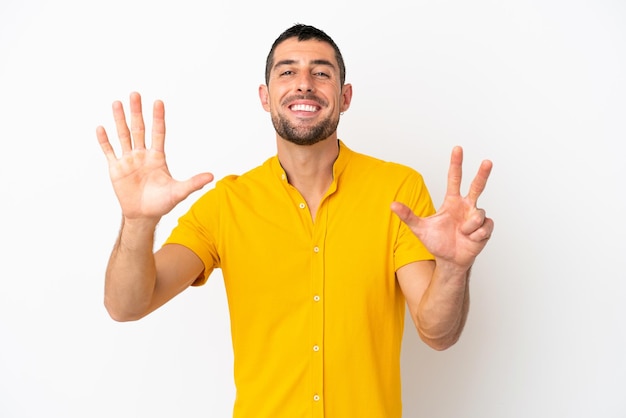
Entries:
{"x":303,"y":108}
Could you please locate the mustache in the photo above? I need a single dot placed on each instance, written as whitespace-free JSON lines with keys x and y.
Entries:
{"x":309,"y":96}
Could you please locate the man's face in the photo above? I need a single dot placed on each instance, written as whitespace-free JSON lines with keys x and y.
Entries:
{"x":304,"y":95}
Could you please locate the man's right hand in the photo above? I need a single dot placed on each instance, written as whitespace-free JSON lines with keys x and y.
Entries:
{"x":140,"y":177}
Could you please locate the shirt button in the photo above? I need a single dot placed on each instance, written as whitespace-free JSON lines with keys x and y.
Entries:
{"x":302,"y":205}
{"x":316,"y":298}
{"x":316,"y":398}
{"x":316,"y":249}
{"x":316,"y":348}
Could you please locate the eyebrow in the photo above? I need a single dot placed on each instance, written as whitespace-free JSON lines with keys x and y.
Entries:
{"x":314,"y":62}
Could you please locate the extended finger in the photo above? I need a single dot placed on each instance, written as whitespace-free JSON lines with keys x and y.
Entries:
{"x":455,"y":172}
{"x":103,"y":140}
{"x":183,"y":189}
{"x":122,"y":128}
{"x":406,"y":214}
{"x":137,"y":127}
{"x":480,"y":181}
{"x":158,"y":126}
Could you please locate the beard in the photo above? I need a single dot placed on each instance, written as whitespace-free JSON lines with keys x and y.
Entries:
{"x":304,"y":135}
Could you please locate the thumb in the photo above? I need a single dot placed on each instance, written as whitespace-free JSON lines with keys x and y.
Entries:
{"x":185,"y":188}
{"x":199,"y":181}
{"x":406,"y":215}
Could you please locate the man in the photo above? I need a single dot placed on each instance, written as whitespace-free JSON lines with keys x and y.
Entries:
{"x":320,"y":247}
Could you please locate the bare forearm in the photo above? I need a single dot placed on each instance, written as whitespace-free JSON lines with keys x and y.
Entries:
{"x":444,"y":307}
{"x":131,"y":273}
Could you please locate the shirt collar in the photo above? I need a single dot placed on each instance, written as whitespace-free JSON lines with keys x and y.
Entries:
{"x":339,"y":165}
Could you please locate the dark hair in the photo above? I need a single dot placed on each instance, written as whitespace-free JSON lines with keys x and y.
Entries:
{"x":305,"y":33}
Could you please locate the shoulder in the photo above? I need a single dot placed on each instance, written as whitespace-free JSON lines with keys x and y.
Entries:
{"x":363,"y":164}
{"x":257,"y":175}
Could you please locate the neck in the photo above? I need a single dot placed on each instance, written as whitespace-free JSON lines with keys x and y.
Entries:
{"x":309,"y":168}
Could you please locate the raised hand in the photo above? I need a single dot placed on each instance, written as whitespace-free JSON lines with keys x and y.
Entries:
{"x":459,"y":231}
{"x":140,"y":177}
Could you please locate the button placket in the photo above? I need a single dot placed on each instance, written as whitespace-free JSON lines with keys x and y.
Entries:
{"x":318,"y":239}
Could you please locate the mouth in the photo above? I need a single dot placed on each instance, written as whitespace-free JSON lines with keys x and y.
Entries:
{"x":304,"y":108}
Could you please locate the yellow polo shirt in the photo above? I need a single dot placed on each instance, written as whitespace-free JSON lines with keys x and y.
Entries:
{"x":316,"y":312}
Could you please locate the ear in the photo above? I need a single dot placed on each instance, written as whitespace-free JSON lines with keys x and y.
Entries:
{"x":346,"y":96}
{"x":264,"y":96}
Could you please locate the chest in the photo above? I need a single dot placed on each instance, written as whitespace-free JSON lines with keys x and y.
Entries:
{"x":274,"y":248}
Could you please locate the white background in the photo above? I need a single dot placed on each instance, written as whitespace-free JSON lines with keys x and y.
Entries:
{"x":537,"y":86}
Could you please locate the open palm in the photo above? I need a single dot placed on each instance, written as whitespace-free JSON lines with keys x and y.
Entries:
{"x":459,"y":231}
{"x":140,"y":177}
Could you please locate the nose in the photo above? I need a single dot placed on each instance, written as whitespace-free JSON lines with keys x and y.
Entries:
{"x":305,"y":83}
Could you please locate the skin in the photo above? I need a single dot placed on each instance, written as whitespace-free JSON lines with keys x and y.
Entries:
{"x":306,"y":74}
{"x":305,"y":99}
{"x":437,"y":292}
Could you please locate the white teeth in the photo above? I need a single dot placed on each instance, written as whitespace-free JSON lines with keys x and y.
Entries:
{"x":303,"y":107}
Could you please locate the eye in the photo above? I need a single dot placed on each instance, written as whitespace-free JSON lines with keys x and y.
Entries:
{"x":321,"y":74}
{"x":286,"y":73}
